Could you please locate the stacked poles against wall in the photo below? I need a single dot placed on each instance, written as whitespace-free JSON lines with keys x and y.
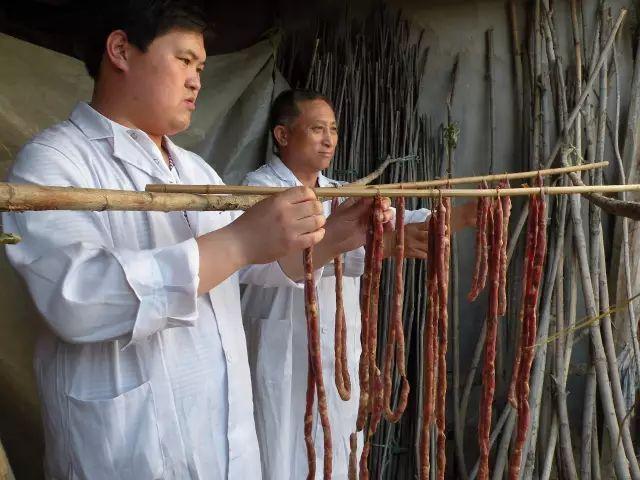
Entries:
{"x":564,"y":112}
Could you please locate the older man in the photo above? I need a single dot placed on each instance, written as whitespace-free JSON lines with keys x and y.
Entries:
{"x":305,"y":135}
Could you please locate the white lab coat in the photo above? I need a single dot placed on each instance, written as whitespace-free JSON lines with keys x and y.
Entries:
{"x":139,"y":377}
{"x":277,"y":342}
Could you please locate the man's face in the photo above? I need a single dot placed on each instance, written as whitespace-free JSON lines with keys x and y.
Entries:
{"x":312,"y":137}
{"x":165,"y":81}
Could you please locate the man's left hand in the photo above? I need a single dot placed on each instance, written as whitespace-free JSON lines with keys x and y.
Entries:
{"x":415,"y":241}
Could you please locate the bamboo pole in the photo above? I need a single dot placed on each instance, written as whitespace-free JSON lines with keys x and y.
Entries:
{"x":330,"y":192}
{"x":20,"y":197}
{"x":214,"y":189}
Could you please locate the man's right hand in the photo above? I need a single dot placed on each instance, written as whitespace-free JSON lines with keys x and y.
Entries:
{"x":279,"y":225}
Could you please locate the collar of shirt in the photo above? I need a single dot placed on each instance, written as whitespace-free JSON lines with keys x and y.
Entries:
{"x":128,"y":143}
{"x":286,"y":175}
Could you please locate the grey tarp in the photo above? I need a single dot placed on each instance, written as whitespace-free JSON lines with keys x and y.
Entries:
{"x":39,"y":87}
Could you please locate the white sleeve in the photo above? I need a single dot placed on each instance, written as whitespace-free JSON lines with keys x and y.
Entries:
{"x":270,"y":274}
{"x":354,"y":263}
{"x":87,"y":290}
{"x":416,"y":216}
{"x":411,"y":216}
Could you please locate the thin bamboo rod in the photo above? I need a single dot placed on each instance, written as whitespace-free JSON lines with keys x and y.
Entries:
{"x":330,"y":192}
{"x":495,"y":177}
{"x":217,"y":189}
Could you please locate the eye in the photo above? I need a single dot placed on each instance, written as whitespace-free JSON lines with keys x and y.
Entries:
{"x":186,"y":61}
{"x":317,"y":129}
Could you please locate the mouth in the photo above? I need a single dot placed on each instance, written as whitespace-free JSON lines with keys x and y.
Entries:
{"x":326,"y":154}
{"x":190,"y":103}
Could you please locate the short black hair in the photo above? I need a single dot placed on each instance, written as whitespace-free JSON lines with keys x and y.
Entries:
{"x":142,"y":21}
{"x":284,"y":109}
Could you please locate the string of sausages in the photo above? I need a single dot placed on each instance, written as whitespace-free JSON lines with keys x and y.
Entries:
{"x":496,"y":229}
{"x":435,"y":338}
{"x":482,"y":242}
{"x":430,"y":354}
{"x":395,"y":337}
{"x":342,"y":379}
{"x":534,"y":262}
{"x":314,"y":375}
{"x":363,"y":367}
{"x":375,"y":385}
{"x":443,"y":259}
{"x":492,"y":219}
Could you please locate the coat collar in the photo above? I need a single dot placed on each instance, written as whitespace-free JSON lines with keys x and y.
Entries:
{"x":286,"y":175}
{"x":130,"y":146}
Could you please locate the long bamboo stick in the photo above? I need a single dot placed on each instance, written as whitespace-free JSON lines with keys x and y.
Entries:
{"x":330,"y":192}
{"x":497,"y":177}
{"x":19,"y":197}
{"x":215,"y":189}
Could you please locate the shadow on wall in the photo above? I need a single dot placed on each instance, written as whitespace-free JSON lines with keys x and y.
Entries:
{"x":25,"y":110}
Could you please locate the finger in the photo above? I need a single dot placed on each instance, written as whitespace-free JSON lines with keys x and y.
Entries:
{"x":298,"y":195}
{"x":387,"y":215}
{"x":306,"y":209}
{"x":355,"y":208}
{"x":307,"y":240}
{"x":308,"y":224}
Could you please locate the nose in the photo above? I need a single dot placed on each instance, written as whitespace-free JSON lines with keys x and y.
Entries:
{"x":193,"y":82}
{"x":327,"y":138}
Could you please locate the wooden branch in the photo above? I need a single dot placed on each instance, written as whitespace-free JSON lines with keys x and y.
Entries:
{"x":380,"y":170}
{"x":19,"y":197}
{"x":613,"y":206}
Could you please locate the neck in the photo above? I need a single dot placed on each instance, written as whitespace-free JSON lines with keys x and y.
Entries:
{"x":114,"y":106}
{"x":307,"y":178}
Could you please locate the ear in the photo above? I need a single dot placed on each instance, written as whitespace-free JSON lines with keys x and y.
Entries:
{"x":117,"y":50}
{"x":281,"y":134}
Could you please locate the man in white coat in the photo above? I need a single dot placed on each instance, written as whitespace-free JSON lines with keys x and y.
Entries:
{"x":143,"y":370}
{"x":305,"y":134}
